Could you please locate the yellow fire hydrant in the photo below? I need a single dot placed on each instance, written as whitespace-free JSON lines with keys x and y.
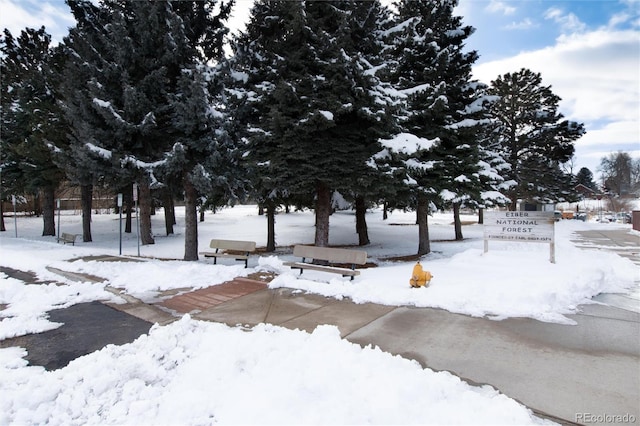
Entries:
{"x":420,"y":277}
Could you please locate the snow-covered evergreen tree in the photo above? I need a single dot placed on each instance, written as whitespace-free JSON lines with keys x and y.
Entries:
{"x":437,"y":149}
{"x":534,"y":138}
{"x":364,"y":41}
{"x":32,"y":121}
{"x":203,"y":157}
{"x":138,"y":95}
{"x":310,"y":100}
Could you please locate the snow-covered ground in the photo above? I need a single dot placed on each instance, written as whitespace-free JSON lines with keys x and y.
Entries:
{"x":192,"y":372}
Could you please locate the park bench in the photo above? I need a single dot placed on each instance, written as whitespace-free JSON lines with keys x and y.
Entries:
{"x":238,"y":250}
{"x":325,"y":258}
{"x":68,"y":238}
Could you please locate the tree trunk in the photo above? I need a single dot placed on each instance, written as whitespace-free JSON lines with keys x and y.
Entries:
{"x":385,"y":212}
{"x":481,"y":216}
{"x":190,"y":221}
{"x":323,"y":211}
{"x":146,"y":205}
{"x":86,"y":198}
{"x":169,"y":214}
{"x":361,"y":222}
{"x":271,"y":227}
{"x":202,"y":214}
{"x":424,"y":246}
{"x":49,"y":211}
{"x":2,"y":227}
{"x":457,"y":225}
{"x":37,"y":205}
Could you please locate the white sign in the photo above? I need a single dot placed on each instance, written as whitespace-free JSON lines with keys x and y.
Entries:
{"x":527,"y":227}
{"x":535,"y":227}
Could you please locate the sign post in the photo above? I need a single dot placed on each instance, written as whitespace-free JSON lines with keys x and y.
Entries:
{"x":135,"y":200}
{"x":58,"y":206}
{"x":120,"y":210}
{"x":15,"y":215}
{"x":526,"y":227}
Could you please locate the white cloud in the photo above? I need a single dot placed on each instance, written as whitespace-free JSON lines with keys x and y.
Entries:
{"x":496,"y":6}
{"x":597,"y":74}
{"x":54,"y":15}
{"x":525,"y":24}
{"x":619,"y":18}
{"x":568,"y":21}
{"x":599,"y":142}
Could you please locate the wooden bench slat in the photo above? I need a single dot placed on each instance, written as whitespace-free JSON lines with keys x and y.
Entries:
{"x":233,"y":245}
{"x":226,"y":249}
{"x":330,"y":255}
{"x":333,"y":269}
{"x":222,"y":254}
{"x":68,"y":238}
{"x":333,"y":255}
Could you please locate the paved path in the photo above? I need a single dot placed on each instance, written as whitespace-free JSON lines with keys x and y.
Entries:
{"x":624,"y":244}
{"x":565,"y":372}
{"x":577,"y":373}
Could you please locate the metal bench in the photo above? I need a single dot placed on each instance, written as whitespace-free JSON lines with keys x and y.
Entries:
{"x":68,"y":238}
{"x":238,"y":250}
{"x":324,"y":258}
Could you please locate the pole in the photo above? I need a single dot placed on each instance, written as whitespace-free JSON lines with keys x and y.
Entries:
{"x":58,"y":205}
{"x":120,"y":210}
{"x":135,"y":200}
{"x":15,"y":215}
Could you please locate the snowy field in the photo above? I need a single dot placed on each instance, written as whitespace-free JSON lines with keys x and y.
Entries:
{"x":193,"y":372}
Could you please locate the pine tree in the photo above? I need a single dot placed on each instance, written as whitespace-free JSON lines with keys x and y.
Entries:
{"x":534,"y":138}
{"x":203,"y":157}
{"x":134,"y":74}
{"x":310,"y":104}
{"x":86,"y":162}
{"x":255,"y":64}
{"x":437,"y":149}
{"x":121,"y":104}
{"x":585,"y":177}
{"x":32,"y":121}
{"x":364,"y":42}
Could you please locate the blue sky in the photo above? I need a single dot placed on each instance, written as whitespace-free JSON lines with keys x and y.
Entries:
{"x":587,"y":50}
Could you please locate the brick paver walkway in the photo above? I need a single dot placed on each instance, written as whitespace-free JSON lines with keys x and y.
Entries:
{"x":205,"y":298}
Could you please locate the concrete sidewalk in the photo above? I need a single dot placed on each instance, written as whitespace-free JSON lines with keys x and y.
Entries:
{"x":582,"y":373}
{"x":562,"y":371}
{"x":571,"y":373}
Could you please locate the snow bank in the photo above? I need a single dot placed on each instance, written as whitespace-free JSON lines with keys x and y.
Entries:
{"x":192,"y":372}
